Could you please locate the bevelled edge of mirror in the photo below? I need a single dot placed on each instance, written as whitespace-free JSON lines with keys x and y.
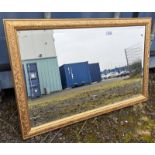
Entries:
{"x":13,"y":25}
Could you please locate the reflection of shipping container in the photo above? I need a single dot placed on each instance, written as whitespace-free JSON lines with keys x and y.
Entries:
{"x":95,"y":72}
{"x":75,"y":74}
{"x":48,"y":75}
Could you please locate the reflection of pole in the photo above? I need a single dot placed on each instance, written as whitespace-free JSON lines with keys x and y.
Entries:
{"x":127,"y":60}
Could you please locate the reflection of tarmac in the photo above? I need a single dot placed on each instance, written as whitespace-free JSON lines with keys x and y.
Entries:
{"x":73,"y":90}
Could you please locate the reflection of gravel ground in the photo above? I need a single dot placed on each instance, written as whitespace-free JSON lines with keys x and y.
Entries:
{"x":40,"y":115}
{"x":132,"y":124}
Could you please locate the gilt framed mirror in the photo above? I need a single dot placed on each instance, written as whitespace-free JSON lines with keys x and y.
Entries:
{"x":66,"y":71}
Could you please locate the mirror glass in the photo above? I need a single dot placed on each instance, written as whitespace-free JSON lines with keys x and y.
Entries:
{"x":70,"y":71}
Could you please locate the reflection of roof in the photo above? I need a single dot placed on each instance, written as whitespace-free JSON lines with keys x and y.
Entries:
{"x":152,"y":62}
{"x":75,"y":63}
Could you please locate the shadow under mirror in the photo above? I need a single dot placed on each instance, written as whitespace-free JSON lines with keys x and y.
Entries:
{"x":69,"y":71}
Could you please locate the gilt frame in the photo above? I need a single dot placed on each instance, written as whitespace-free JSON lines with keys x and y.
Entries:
{"x":11,"y":28}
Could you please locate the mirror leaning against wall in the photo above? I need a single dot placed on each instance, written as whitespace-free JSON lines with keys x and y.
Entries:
{"x":74,"y":72}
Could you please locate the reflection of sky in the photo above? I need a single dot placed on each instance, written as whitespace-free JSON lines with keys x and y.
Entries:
{"x":97,"y":44}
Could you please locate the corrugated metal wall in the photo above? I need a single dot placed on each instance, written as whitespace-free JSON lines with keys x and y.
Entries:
{"x":49,"y":75}
{"x":8,"y":82}
{"x":82,"y":14}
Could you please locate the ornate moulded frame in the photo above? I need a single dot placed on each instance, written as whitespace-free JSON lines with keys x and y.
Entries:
{"x":11,"y":28}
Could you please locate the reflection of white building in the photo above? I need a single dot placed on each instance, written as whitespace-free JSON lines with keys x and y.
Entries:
{"x":36,"y":44}
{"x":39,"y":59}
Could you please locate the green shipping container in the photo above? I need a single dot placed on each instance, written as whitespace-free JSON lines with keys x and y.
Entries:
{"x":48,"y":72}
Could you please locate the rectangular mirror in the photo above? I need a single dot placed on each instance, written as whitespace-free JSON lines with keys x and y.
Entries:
{"x":66,"y":71}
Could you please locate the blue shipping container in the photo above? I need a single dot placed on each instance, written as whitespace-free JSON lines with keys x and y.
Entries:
{"x":95,"y":72}
{"x":75,"y":74}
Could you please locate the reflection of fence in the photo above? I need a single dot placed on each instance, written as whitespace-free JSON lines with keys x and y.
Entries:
{"x":134,"y":54}
{"x":134,"y":57}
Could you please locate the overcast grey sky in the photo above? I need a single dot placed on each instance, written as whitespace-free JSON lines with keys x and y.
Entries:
{"x":96,"y":45}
